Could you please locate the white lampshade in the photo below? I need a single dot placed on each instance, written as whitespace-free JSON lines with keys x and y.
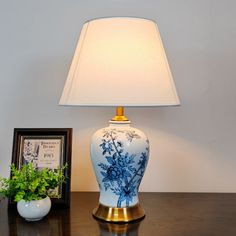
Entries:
{"x":119,"y":61}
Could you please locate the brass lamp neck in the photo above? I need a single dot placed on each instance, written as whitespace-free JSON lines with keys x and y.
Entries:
{"x":119,"y":115}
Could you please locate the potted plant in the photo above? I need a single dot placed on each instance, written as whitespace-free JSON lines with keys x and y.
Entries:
{"x":32,"y":188}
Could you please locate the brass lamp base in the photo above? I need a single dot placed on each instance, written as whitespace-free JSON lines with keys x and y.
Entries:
{"x":119,"y":215}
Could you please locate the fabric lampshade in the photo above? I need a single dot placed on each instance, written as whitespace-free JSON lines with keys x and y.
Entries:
{"x":119,"y":61}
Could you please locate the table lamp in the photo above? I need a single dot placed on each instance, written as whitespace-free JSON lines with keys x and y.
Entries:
{"x":119,"y":62}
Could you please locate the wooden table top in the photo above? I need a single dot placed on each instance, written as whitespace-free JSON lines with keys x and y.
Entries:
{"x":167,"y":214}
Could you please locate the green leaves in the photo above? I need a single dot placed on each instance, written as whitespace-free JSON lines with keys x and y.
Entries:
{"x":19,"y":195}
{"x":31,"y":184}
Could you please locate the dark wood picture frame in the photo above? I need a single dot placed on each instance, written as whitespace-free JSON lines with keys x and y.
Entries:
{"x":63,"y":139}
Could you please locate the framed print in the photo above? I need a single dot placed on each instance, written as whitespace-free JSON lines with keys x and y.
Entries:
{"x":45,"y":148}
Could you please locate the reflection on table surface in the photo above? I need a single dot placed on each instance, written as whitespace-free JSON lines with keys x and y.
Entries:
{"x":114,"y":229}
{"x":60,"y":222}
{"x":56,"y":223}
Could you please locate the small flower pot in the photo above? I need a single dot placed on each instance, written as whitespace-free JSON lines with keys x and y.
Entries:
{"x":34,"y":210}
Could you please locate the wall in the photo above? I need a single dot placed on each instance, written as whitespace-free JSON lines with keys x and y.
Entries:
{"x":193,"y":146}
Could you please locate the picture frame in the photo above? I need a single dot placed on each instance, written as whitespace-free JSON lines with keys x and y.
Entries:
{"x":45,"y":148}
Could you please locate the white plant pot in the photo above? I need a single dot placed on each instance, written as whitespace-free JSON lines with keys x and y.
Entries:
{"x":34,"y":210}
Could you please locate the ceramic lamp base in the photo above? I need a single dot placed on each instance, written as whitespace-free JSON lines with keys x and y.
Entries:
{"x":121,"y":215}
{"x":119,"y":155}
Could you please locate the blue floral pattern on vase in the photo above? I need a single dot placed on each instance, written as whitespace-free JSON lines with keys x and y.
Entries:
{"x":123,"y":171}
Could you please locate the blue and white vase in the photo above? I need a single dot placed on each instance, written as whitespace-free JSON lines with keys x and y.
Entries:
{"x":119,"y":155}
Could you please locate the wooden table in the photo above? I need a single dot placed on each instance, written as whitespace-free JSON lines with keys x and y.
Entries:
{"x":167,"y":214}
